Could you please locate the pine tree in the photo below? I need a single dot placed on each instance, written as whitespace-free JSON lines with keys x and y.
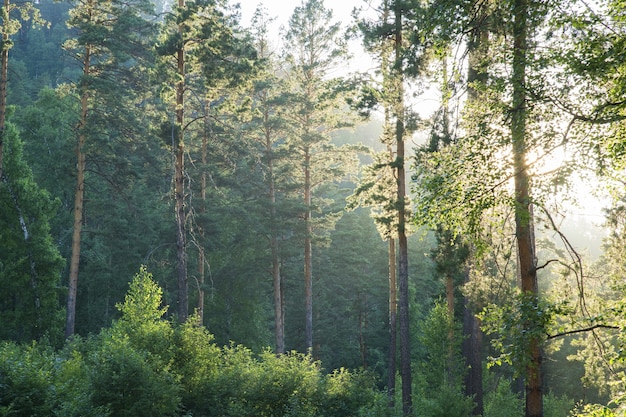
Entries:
{"x":199,"y":43}
{"x":105,"y":46}
{"x":313,"y":49}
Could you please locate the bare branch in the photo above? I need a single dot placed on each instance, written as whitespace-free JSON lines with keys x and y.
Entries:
{"x":583,"y":330}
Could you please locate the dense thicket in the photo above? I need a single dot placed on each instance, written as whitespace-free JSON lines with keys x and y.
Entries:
{"x":223,"y":167}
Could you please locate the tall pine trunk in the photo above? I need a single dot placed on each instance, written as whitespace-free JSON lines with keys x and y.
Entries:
{"x":179,"y":185}
{"x":279,"y":320}
{"x":403,"y":262}
{"x":308,"y":252}
{"x":523,"y":212}
{"x":393,"y":326}
{"x":79,"y":198}
{"x":201,"y":251}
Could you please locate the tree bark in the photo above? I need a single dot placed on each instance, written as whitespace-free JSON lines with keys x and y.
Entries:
{"x":308,"y":252}
{"x":201,"y":251}
{"x":362,"y":300}
{"x":279,"y":321}
{"x":403,"y":263}
{"x":523,"y":212}
{"x":79,"y":198}
{"x":179,"y":185}
{"x":393,"y":308}
{"x":472,"y":352}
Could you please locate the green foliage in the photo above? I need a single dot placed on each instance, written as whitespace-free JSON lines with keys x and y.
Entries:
{"x":502,"y":402}
{"x":557,"y":406}
{"x":516,"y":324}
{"x":25,"y":380}
{"x":444,"y":402}
{"x":593,"y":410}
{"x":142,"y":316}
{"x":30,"y":264}
{"x":142,"y":304}
{"x":440,"y":369}
{"x":126,"y":381}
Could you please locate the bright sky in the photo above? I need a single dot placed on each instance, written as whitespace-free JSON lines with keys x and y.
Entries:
{"x":282,"y":10}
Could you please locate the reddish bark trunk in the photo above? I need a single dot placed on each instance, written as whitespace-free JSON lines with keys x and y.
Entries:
{"x":79,"y":198}
{"x":523,"y":212}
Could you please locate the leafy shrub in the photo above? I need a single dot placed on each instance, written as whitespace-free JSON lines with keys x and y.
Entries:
{"x":557,"y":406}
{"x":25,"y":375}
{"x":502,"y":402}
{"x":145,"y":366}
{"x":128,"y":382}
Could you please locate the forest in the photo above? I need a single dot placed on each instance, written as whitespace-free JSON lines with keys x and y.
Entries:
{"x":201,"y":217}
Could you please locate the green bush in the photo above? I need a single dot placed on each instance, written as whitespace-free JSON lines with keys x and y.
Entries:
{"x":557,"y":406}
{"x":502,"y":402}
{"x":352,"y":394}
{"x":146,"y":366}
{"x":25,"y":376}
{"x":130,"y":383}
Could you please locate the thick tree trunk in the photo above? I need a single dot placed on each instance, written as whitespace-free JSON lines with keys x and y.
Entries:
{"x":393,"y":308}
{"x":179,"y":187}
{"x":308,"y":253}
{"x":523,"y":213}
{"x":403,"y":262}
{"x":472,"y":352}
{"x":79,"y":198}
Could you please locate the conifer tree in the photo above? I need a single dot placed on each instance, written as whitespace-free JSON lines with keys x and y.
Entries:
{"x":268,"y":127}
{"x":202,"y":53}
{"x":30,"y":264}
{"x":111,"y":35}
{"x":313,"y":48}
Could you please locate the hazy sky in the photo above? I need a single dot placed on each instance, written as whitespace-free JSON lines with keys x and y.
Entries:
{"x":282,"y":9}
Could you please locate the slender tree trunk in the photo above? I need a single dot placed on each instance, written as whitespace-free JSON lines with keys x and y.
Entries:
{"x":523,"y":213}
{"x":450,"y":299}
{"x":279,"y":321}
{"x":403,"y":262}
{"x":201,"y":252}
{"x":362,"y":299}
{"x":79,"y":198}
{"x":4,"y":71}
{"x":393,"y":308}
{"x":179,"y":186}
{"x":308,"y":252}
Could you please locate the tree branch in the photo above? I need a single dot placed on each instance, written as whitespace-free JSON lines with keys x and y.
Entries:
{"x":583,"y":330}
{"x":548,"y":262}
